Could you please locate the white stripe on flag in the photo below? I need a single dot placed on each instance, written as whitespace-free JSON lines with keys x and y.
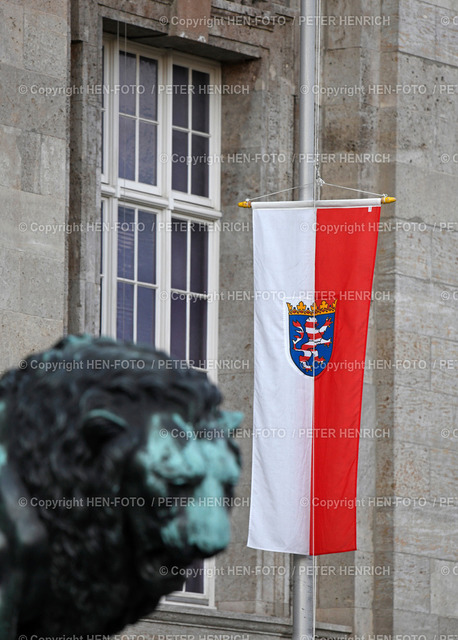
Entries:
{"x":283,"y":400}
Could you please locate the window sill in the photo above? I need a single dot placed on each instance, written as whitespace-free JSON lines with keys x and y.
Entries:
{"x":192,"y":621}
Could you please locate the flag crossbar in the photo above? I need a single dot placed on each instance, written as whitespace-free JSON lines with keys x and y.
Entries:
{"x":300,"y":204}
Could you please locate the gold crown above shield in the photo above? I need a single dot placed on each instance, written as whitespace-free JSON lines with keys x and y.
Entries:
{"x":314,"y":309}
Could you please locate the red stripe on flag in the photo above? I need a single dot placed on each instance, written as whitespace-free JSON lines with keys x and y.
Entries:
{"x":346,"y":243}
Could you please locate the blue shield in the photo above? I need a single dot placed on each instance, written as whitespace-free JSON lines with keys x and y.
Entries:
{"x":311,"y":336}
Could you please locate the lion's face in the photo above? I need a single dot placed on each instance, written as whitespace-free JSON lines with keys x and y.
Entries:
{"x":182,"y":478}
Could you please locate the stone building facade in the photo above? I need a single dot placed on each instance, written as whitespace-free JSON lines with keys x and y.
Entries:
{"x":387,"y":103}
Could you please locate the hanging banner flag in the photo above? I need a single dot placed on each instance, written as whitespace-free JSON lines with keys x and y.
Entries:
{"x":313,"y":271}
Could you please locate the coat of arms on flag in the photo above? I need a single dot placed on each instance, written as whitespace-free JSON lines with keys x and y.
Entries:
{"x":311,"y":335}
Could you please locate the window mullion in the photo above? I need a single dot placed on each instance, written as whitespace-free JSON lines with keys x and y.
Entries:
{"x":112,"y":234}
{"x":105,"y":284}
{"x":212,"y":300}
{"x":168,"y":124}
{"x":164,"y":244}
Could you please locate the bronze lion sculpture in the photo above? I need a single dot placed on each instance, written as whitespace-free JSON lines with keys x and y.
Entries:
{"x":109,"y":452}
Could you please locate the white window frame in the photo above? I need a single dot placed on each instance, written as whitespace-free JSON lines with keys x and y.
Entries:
{"x":163,"y":202}
{"x":166,"y":204}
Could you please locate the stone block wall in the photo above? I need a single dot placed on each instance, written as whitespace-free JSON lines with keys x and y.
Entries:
{"x":403,"y":75}
{"x":34,"y":108}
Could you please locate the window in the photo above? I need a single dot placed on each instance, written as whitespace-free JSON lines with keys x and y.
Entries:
{"x":160,"y":207}
{"x":189,"y":291}
{"x":190,"y":130}
{"x":199,"y":588}
{"x":160,"y":196}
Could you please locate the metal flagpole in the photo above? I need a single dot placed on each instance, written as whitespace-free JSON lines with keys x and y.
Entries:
{"x":303,"y":578}
{"x":307,"y":100}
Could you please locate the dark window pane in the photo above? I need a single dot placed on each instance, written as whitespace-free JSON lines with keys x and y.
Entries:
{"x":179,"y":161}
{"x":199,"y":258}
{"x":180,"y":96}
{"x":103,"y":137}
{"x":102,"y":216}
{"x":103,"y":104}
{"x":179,"y":253}
{"x":199,"y":175}
{"x":198,"y":332}
{"x":195,"y":584}
{"x":103,"y":76}
{"x":148,"y":84}
{"x":125,"y":311}
{"x":147,"y":153}
{"x":102,"y":279}
{"x":145,"y":315}
{"x":126,"y":148}
{"x":146,"y":247}
{"x":200,"y":102}
{"x":127,"y":80}
{"x":126,"y":243}
{"x":178,"y":326}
